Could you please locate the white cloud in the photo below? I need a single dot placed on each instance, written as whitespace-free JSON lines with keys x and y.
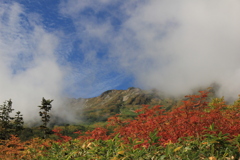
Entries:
{"x":28,"y":63}
{"x":174,"y":46}
{"x":94,"y":36}
{"x":192,"y":44}
{"x":74,"y":7}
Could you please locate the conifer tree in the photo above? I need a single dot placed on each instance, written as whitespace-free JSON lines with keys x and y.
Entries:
{"x":18,"y":122}
{"x":44,"y":114}
{"x":9,"y":125}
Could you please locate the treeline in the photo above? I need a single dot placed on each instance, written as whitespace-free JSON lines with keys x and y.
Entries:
{"x":14,"y":125}
{"x":10,"y":125}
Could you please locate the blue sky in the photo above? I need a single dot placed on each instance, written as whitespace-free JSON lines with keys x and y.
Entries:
{"x":92,"y":70}
{"x":81,"y":48}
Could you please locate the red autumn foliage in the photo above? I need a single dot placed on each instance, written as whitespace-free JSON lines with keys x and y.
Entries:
{"x":192,"y":118}
{"x":12,"y":146}
{"x":96,"y":134}
{"x":62,"y":138}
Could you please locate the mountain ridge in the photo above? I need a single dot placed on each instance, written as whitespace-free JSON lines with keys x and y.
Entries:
{"x":112,"y":102}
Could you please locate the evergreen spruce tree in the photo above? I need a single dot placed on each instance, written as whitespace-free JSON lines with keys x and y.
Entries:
{"x":44,"y":114}
{"x":9,"y":125}
{"x":18,"y":122}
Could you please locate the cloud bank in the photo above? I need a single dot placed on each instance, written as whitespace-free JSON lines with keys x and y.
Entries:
{"x":191,"y":44}
{"x":28,"y":64}
{"x":174,"y":46}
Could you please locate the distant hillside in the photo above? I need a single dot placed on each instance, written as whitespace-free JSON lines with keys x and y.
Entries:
{"x":113,"y":102}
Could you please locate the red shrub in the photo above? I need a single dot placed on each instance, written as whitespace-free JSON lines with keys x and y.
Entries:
{"x":192,"y":118}
{"x":62,"y":138}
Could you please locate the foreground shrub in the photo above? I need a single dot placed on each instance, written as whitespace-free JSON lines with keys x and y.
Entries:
{"x":215,"y":146}
{"x":190,"y":119}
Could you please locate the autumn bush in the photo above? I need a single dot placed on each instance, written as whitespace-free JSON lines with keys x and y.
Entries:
{"x":197,"y":129}
{"x":192,"y":118}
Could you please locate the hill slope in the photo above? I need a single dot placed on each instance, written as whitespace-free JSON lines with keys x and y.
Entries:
{"x":113,"y":102}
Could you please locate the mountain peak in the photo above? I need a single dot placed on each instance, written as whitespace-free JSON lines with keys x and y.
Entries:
{"x":114,"y":101}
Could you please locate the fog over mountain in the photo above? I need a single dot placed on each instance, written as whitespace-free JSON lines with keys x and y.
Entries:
{"x":174,"y":46}
{"x":186,"y":45}
{"x":82,"y":48}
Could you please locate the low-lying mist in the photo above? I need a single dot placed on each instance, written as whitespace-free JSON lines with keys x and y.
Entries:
{"x":185,"y":45}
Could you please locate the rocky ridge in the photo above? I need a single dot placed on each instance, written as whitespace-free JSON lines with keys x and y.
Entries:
{"x":113,"y":102}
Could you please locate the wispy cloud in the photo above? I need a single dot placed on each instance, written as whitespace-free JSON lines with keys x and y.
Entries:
{"x":95,"y":27}
{"x":28,"y":63}
{"x":174,"y":46}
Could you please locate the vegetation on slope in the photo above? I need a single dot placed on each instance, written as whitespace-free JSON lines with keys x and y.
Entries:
{"x":197,"y":129}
